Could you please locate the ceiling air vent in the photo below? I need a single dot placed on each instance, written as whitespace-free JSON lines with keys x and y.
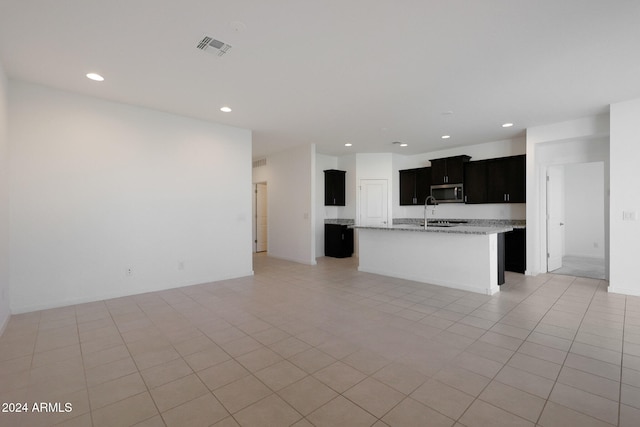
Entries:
{"x":212,"y":45}
{"x":259,"y":163}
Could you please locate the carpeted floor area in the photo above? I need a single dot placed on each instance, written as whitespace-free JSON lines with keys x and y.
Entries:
{"x":582,"y":267}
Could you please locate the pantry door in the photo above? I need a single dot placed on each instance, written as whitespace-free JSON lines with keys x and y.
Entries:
{"x":373,"y":202}
{"x":555,"y":217}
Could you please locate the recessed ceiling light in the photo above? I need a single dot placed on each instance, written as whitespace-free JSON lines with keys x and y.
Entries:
{"x":348,"y":144}
{"x":96,"y":77}
{"x":507,"y":125}
{"x":225,"y":109}
{"x":403,"y":144}
{"x":447,"y":113}
{"x":238,"y":26}
{"x":445,"y":136}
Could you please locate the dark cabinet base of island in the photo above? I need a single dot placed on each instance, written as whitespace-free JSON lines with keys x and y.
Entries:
{"x":512,"y":252}
{"x":515,"y":250}
{"x":501,"y":255}
{"x":338,"y":241}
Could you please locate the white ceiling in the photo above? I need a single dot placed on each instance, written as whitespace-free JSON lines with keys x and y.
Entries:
{"x":368,"y":72}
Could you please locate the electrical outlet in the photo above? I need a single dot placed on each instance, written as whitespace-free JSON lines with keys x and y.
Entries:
{"x":595,"y":245}
{"x":180,"y":265}
{"x":129,"y":272}
{"x":629,"y":216}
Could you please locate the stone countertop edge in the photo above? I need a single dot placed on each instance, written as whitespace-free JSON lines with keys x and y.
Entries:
{"x":513,"y":223}
{"x":459,"y":229}
{"x":340,"y":221}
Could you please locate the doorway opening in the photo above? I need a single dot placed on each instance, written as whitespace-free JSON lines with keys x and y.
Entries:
{"x":260,"y":232}
{"x":576,"y":219}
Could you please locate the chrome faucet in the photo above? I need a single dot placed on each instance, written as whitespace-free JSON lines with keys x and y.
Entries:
{"x":426,"y":201}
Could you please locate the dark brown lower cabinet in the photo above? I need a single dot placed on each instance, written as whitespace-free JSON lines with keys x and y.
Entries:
{"x":515,"y":250}
{"x":338,"y":241}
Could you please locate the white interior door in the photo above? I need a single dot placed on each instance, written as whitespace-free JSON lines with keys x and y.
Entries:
{"x":261,"y":217}
{"x":555,"y":217}
{"x":373,"y":202}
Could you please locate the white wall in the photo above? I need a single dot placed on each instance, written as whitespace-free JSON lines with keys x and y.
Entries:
{"x":575,"y":141}
{"x":625,"y":182}
{"x":460,"y":210}
{"x":348,"y":164}
{"x":98,"y":187}
{"x":584,"y":209}
{"x":4,"y":205}
{"x":291,"y":184}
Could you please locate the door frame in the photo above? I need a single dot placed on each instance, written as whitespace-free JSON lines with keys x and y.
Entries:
{"x":561,"y":144}
{"x":255,"y":216}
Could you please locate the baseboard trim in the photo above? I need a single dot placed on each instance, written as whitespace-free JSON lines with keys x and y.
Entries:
{"x":299,"y":261}
{"x":623,"y":291}
{"x":87,"y":299}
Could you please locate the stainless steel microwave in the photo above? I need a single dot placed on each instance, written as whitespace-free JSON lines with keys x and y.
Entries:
{"x":448,"y":193}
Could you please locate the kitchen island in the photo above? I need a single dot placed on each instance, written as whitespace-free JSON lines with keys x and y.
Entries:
{"x":463,"y":257}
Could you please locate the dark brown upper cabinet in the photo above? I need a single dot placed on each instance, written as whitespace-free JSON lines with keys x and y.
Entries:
{"x":475,"y":182}
{"x":415,"y":186}
{"x":506,"y":180}
{"x":449,"y":170}
{"x":334,"y":187}
{"x":501,"y":180}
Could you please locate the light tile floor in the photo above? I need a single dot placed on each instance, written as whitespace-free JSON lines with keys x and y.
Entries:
{"x":327,"y":345}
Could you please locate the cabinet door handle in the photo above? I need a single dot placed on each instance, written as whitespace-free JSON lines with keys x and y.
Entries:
{"x":504,"y":196}
{"x":508,"y":197}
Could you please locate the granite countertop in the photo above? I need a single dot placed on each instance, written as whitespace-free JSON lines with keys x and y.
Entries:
{"x":340,"y":221}
{"x":457,"y":229}
{"x":462,"y":226}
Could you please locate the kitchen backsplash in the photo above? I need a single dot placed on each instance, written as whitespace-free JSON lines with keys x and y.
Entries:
{"x":461,"y":210}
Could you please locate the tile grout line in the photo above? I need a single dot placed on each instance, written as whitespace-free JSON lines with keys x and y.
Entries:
{"x":273,"y":392}
{"x":84,"y":368}
{"x":181,"y":358}
{"x":476,"y":340}
{"x":624,"y":323}
{"x":134,"y":362}
{"x":567,"y":355}
{"x":408,"y":396}
{"x":330,"y":296}
{"x":516,"y":351}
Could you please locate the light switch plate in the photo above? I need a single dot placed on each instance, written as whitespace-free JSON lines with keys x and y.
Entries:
{"x":629,"y":216}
